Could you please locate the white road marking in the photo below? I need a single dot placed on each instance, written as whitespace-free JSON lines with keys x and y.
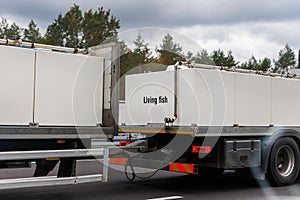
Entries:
{"x":167,"y":198}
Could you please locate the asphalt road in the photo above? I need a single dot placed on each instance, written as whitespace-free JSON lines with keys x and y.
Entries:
{"x":164,"y":185}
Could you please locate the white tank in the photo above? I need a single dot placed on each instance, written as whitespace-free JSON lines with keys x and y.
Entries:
{"x":211,"y":97}
{"x":50,"y":88}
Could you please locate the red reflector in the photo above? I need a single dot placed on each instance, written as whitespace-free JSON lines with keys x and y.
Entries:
{"x":201,"y":149}
{"x":184,"y":168}
{"x":124,"y":143}
{"x":118,"y":161}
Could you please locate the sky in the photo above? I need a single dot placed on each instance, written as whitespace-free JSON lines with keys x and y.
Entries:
{"x":247,"y":27}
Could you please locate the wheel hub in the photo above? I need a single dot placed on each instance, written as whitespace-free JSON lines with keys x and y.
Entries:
{"x":285,"y":161}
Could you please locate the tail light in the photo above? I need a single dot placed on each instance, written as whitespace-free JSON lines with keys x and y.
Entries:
{"x":201,"y":149}
{"x":124,"y":143}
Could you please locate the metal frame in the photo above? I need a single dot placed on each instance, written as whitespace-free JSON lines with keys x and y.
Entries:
{"x":110,"y":115}
{"x":48,"y":181}
{"x":69,"y":153}
{"x":207,"y":131}
{"x":27,"y":132}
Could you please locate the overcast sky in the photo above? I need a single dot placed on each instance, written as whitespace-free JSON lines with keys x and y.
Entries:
{"x":246,"y":27}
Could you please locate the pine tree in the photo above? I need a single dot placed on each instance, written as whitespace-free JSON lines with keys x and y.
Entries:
{"x":32,"y":33}
{"x":203,"y":57}
{"x":12,"y":31}
{"x":74,"y":30}
{"x":265,"y":64}
{"x":254,"y":64}
{"x":72,"y":24}
{"x":4,"y":27}
{"x":168,"y":44}
{"x":220,"y":59}
{"x":189,"y":56}
{"x":286,"y":60}
{"x":141,"y":50}
{"x":230,"y":60}
{"x":98,"y":27}
{"x":170,"y":51}
{"x":136,"y":58}
{"x":55,"y":32}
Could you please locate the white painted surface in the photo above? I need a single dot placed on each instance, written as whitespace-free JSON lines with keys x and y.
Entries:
{"x":106,"y":53}
{"x":253,"y":100}
{"x":188,"y":107}
{"x":68,"y":89}
{"x":229,"y":80}
{"x":285,"y":102}
{"x":16,"y":85}
{"x":215,"y":98}
{"x":202,"y":98}
{"x":123,"y":112}
{"x":206,"y":97}
{"x":148,"y":85}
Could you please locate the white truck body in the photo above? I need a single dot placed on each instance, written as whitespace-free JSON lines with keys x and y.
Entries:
{"x":211,"y":97}
{"x":50,"y":88}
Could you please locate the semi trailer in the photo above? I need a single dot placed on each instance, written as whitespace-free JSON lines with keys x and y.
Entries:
{"x":55,"y":101}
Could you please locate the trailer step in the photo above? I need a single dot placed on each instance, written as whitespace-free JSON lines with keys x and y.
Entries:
{"x":47,"y":181}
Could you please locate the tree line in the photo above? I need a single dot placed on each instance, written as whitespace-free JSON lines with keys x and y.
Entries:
{"x":81,"y":29}
{"x":170,"y":52}
{"x":73,"y":29}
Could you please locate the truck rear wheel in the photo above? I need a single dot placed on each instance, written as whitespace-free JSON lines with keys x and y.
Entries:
{"x":283,"y":168}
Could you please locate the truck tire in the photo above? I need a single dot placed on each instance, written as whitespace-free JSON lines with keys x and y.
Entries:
{"x":283,"y":168}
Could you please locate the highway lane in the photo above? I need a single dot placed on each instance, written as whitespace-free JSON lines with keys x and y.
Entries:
{"x":163,"y":184}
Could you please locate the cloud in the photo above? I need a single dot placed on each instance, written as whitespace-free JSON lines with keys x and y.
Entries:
{"x":261,"y":39}
{"x":249,"y":27}
{"x":42,"y":12}
{"x":246,"y":27}
{"x":137,"y":13}
{"x":166,"y":13}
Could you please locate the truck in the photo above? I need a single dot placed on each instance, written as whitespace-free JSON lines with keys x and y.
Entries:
{"x":57,"y":102}
{"x":202,"y":120}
